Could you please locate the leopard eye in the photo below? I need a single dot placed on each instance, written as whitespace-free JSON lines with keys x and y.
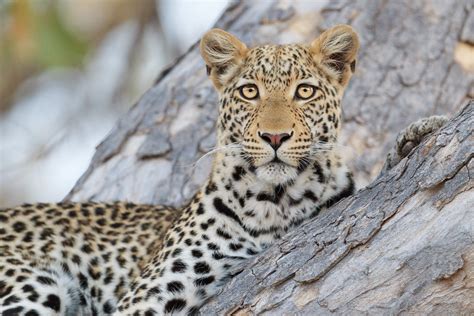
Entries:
{"x":305,"y":91}
{"x":249,"y":91}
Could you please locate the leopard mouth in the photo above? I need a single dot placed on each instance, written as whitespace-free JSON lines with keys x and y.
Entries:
{"x":276,"y":159}
{"x":276,"y":172}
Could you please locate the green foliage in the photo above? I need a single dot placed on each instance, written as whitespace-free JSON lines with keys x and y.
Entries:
{"x":35,"y":36}
{"x":56,"y":45}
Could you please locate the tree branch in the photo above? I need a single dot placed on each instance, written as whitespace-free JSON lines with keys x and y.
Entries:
{"x":406,"y":71}
{"x":403,"y":244}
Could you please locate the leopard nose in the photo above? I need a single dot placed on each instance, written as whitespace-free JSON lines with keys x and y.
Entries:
{"x":275,"y":140}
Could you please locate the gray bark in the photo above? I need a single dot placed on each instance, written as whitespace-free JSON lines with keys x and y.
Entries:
{"x":402,"y":244}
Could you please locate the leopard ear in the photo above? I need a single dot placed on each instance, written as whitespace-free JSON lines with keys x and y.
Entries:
{"x":223,"y":53}
{"x":336,"y":51}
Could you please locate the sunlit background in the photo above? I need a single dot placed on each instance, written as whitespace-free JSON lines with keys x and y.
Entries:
{"x":69,"y":69}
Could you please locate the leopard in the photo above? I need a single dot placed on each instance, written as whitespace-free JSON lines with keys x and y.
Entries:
{"x":276,"y":164}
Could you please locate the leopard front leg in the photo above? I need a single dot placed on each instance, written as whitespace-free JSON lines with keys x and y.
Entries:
{"x":199,"y":254}
{"x":411,"y":137}
{"x":179,"y":281}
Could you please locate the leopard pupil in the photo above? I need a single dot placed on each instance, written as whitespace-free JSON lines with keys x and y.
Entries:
{"x":250,"y":92}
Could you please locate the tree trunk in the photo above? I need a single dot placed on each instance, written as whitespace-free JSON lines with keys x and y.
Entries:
{"x":410,"y":66}
{"x":404,"y":243}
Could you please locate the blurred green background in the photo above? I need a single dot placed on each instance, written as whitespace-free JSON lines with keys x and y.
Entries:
{"x":69,"y":69}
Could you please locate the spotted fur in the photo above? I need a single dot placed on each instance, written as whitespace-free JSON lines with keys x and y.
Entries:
{"x":75,"y":258}
{"x":276,"y":164}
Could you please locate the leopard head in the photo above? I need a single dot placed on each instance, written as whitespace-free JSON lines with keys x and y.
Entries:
{"x":280,"y":104}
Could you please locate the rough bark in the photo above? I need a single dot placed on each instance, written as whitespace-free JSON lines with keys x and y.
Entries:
{"x":404,"y":244}
{"x":410,"y":66}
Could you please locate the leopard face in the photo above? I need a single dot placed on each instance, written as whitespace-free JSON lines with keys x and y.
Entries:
{"x":280,"y":104}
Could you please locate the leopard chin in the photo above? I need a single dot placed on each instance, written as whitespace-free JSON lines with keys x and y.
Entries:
{"x":276,"y":173}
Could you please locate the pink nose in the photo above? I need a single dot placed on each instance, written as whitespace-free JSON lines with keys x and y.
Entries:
{"x":275,"y":140}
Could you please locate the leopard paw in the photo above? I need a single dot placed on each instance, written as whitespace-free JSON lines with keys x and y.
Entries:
{"x":411,"y":137}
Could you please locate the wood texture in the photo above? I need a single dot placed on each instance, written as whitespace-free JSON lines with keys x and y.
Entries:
{"x":402,"y":245}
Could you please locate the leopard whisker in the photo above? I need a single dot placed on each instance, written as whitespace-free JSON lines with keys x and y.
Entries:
{"x":226,"y":148}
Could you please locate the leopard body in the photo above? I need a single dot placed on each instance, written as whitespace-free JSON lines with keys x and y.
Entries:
{"x":277,"y":164}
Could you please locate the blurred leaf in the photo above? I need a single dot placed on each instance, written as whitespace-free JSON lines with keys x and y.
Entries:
{"x":56,"y":46}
